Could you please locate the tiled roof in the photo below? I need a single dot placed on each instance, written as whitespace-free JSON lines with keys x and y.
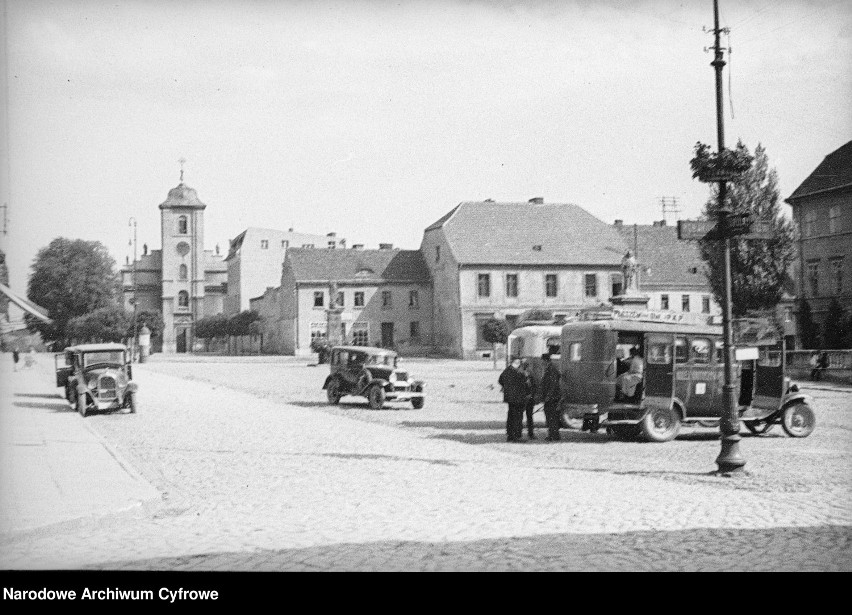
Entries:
{"x":490,"y":233}
{"x":834,"y":171}
{"x":340,"y":265}
{"x":672,"y":261}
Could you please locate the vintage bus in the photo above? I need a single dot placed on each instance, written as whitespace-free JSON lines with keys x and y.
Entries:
{"x":643,"y":373}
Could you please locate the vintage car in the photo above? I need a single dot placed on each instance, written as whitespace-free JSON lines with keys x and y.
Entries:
{"x":372,"y":373}
{"x":96,"y":377}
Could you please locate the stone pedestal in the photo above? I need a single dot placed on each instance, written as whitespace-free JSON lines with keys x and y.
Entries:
{"x":334,"y":334}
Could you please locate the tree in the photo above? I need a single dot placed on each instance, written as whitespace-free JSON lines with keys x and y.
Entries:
{"x":240,"y":324}
{"x":758,"y":267}
{"x":70,"y":278}
{"x":211,"y":327}
{"x":106,"y":324}
{"x":153,"y":319}
{"x":495,"y":331}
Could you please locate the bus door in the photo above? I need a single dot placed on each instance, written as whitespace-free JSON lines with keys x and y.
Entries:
{"x":703,"y":378}
{"x":681,"y":370}
{"x":659,"y":369}
{"x":769,"y":380}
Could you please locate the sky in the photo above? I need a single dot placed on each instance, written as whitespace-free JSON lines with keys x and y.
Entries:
{"x":373,"y":119}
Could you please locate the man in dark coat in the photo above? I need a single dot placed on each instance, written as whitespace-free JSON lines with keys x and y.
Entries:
{"x":516,"y":390}
{"x":529,"y":407}
{"x":550,"y":395}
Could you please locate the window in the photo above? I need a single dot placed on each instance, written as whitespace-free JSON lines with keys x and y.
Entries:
{"x":788,"y":314}
{"x":307,"y":245}
{"x":834,"y":219}
{"x":285,"y":244}
{"x":360,"y":334}
{"x":551,"y":286}
{"x":437,"y":253}
{"x":616,"y":284}
{"x":359,"y":299}
{"x":664,"y":302}
{"x":387,"y":299}
{"x":705,"y":304}
{"x":413,"y":299}
{"x":681,"y":351}
{"x":813,"y":278}
{"x":809,"y":227}
{"x":332,"y":245}
{"x":264,"y":244}
{"x":414,"y":330}
{"x":591,"y":284}
{"x":319,"y":298}
{"x":684,"y":303}
{"x":483,"y":285}
{"x":318,"y":331}
{"x":182,"y":225}
{"x":340,"y":298}
{"x":183,"y":299}
{"x":659,"y":351}
{"x":837,"y":275}
{"x":182,"y":272}
{"x":554,"y":347}
{"x":575,"y":351}
{"x":700,"y":350}
{"x":511,"y":284}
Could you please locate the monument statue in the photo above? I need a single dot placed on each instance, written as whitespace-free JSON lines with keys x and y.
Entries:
{"x":628,"y":270}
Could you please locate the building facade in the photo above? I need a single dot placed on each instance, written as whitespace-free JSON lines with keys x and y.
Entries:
{"x":182,"y":279}
{"x":255,"y":258}
{"x":385,"y":297}
{"x":822,"y":209}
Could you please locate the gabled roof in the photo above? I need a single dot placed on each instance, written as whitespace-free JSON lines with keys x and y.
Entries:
{"x":348,"y":265}
{"x":672,"y":261}
{"x":835,"y":171}
{"x":490,"y":233}
{"x":294,"y":238}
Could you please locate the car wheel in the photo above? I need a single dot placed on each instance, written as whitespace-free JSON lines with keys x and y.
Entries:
{"x":133,"y":403}
{"x":332,"y":391}
{"x":623,"y":432}
{"x":418,"y":402}
{"x":81,"y":405}
{"x":798,"y":420}
{"x":661,"y":425}
{"x":376,"y":397}
{"x":758,"y":428}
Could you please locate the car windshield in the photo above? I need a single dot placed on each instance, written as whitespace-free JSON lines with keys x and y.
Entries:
{"x":106,"y":356}
{"x":380,"y":359}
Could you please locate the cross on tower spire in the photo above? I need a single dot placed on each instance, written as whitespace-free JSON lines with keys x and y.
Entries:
{"x":181,"y":161}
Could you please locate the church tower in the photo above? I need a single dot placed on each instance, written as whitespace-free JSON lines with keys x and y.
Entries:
{"x":183,"y":271}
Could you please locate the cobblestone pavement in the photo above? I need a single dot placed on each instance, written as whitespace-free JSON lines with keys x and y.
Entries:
{"x":258,"y":473}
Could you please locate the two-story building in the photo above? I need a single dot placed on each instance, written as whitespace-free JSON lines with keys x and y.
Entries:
{"x":385,"y":296}
{"x":822,"y":208}
{"x":490,"y":259}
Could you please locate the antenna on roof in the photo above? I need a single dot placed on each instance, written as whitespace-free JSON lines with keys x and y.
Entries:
{"x":670,"y":206}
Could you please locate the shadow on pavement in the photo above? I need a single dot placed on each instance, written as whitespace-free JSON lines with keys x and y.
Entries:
{"x":566,"y":437}
{"x":40,"y":395}
{"x":57,"y":406}
{"x":324,"y":405}
{"x":463,"y":425}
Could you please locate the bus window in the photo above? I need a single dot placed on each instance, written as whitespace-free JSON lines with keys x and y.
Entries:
{"x":769,"y":358}
{"x":681,"y":351}
{"x":554,"y":347}
{"x":720,"y":351}
{"x":659,"y":352}
{"x":700,"y":350}
{"x":575,"y":350}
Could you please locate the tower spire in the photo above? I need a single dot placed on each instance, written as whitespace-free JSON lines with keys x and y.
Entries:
{"x":181,"y":161}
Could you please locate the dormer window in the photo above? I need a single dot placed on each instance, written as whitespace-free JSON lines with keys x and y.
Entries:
{"x":264,"y":244}
{"x":183,"y":225}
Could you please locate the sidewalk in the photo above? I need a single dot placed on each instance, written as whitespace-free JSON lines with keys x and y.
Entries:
{"x":53,"y":468}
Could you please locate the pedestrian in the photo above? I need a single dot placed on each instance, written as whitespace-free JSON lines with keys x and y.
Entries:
{"x":823,"y":363}
{"x":551,"y":394}
{"x":515,"y":393}
{"x":16,"y":356}
{"x":529,"y":407}
{"x":628,"y":381}
{"x":818,"y":363}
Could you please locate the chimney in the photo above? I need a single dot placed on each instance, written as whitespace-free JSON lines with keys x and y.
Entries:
{"x":618,"y":223}
{"x":357,"y":246}
{"x":385,"y":246}
{"x":659,"y":222}
{"x":537,"y":200}
{"x":488,"y":201}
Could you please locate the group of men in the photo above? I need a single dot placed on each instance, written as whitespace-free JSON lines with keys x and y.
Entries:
{"x":519,"y":392}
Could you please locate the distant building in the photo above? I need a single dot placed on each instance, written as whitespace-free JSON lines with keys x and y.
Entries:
{"x":385,"y":294}
{"x":500,"y":260}
{"x":671,"y":271}
{"x":183,"y":280}
{"x":822,"y":208}
{"x":255,"y":258}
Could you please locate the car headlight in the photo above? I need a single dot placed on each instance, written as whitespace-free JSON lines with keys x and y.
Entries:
{"x":392,"y":377}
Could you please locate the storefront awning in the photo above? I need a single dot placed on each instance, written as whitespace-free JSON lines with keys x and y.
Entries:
{"x":25,"y":304}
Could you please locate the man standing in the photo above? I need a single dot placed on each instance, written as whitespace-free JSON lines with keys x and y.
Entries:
{"x":16,"y":356}
{"x":529,"y":407}
{"x":551,"y":394}
{"x":515,"y":393}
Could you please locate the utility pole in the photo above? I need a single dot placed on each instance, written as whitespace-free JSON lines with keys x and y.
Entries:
{"x":729,"y":460}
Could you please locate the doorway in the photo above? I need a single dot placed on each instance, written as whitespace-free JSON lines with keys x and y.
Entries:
{"x":181,"y":340}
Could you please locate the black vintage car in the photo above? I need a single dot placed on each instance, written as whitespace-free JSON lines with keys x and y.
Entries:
{"x":372,"y":373}
{"x":97,"y":377}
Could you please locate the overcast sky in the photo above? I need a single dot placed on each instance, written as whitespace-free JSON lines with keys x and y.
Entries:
{"x":373,"y":119}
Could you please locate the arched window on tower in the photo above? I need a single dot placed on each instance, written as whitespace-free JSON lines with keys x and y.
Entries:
{"x":182,"y":225}
{"x":182,"y":272}
{"x":183,"y":299}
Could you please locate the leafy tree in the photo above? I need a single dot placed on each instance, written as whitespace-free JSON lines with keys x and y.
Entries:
{"x":240,"y":324}
{"x":807,"y":327}
{"x":106,"y":324}
{"x":211,"y":327}
{"x":836,"y":326}
{"x":758,"y":267}
{"x":153,"y":319}
{"x":70,"y":278}
{"x":495,"y":331}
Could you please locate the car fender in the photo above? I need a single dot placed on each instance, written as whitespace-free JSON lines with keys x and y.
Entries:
{"x":132,"y":387}
{"x":795,"y":398}
{"x":417,"y":386}
{"x":327,"y":380}
{"x":379,"y":381}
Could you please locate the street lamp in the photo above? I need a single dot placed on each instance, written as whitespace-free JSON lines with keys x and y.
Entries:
{"x":132,"y":222}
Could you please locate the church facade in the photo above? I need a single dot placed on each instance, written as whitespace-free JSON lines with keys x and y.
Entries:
{"x":182,"y":280}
